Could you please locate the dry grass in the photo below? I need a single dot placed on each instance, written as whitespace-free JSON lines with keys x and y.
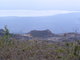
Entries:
{"x":38,"y":50}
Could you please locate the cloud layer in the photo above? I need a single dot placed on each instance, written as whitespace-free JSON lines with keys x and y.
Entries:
{"x":32,"y":13}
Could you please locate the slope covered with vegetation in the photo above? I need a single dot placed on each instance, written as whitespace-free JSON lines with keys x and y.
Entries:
{"x":38,"y":50}
{"x":13,"y":49}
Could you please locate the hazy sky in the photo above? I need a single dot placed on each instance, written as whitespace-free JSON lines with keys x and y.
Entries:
{"x":40,"y":4}
{"x":37,"y":7}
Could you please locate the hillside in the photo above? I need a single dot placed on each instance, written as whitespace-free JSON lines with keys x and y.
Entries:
{"x":38,"y":50}
{"x":43,"y":34}
{"x":64,"y":46}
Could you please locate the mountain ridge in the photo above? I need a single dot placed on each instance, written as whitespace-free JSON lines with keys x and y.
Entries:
{"x":55,"y":23}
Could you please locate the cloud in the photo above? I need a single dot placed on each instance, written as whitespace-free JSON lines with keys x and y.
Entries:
{"x":32,"y":13}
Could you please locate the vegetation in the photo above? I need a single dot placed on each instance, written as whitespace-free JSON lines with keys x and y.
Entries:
{"x":38,"y":50}
{"x":13,"y":49}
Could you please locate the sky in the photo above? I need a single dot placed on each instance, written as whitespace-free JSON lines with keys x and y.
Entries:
{"x":40,"y":6}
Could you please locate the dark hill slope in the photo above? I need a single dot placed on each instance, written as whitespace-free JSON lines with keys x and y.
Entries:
{"x":44,"y":33}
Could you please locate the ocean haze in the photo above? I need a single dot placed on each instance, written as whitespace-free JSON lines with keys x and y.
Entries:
{"x":57,"y":23}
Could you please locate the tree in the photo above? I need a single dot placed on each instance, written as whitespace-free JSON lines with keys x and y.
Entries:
{"x":6,"y":32}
